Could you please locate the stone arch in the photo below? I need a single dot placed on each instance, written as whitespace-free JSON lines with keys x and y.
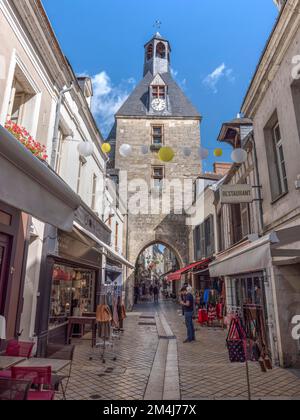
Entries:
{"x":167,"y":245}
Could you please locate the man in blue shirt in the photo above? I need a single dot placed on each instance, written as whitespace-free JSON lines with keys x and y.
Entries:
{"x":188,"y":305}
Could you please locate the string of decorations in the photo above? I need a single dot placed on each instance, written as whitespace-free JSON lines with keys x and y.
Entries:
{"x":167,"y":154}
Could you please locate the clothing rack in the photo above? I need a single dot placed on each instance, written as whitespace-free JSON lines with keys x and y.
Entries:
{"x":108,"y":293}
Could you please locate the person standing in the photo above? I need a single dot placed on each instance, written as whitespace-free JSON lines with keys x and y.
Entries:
{"x":188,"y":305}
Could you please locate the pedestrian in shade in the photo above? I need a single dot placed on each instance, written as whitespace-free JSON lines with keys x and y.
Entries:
{"x":188,"y":305}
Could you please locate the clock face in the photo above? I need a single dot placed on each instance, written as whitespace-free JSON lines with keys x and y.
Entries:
{"x":159,"y":104}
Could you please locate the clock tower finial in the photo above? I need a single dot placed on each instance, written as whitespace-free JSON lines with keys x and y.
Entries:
{"x":157,"y":55}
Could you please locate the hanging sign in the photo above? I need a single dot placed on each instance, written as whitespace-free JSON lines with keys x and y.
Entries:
{"x":236,"y":194}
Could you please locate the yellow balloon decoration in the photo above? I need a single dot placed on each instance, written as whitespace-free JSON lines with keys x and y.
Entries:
{"x":218,"y":152}
{"x":106,"y":148}
{"x":166,"y":154}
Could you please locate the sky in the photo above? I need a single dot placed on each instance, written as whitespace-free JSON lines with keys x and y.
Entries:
{"x":216,"y":46}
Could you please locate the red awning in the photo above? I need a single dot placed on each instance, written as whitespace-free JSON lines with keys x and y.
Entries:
{"x":200,"y":265}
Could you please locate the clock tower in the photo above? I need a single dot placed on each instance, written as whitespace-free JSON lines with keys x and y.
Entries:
{"x":157,"y":115}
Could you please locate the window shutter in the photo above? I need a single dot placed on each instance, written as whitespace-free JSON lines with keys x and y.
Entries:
{"x":202,"y":241}
{"x":212,"y":236}
{"x":245,"y":219}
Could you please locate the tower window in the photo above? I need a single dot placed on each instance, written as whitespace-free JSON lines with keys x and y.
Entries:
{"x":150,"y":52}
{"x":158,"y":177}
{"x":161,"y":50}
{"x":159,"y":92}
{"x":157,"y":134}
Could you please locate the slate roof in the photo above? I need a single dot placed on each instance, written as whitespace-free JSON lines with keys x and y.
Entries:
{"x":137,"y":105}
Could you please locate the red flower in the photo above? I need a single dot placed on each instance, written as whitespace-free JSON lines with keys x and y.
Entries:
{"x":21,"y":134}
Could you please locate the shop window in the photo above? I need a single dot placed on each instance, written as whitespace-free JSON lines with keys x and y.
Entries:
{"x":158,"y":177}
{"x":157,"y":135}
{"x":73,"y":293}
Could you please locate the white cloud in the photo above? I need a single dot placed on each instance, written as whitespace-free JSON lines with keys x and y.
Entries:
{"x":212,"y":80}
{"x":181,"y":82}
{"x":108,"y":98}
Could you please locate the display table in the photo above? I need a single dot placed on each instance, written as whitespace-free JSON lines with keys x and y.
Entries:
{"x":82,"y":321}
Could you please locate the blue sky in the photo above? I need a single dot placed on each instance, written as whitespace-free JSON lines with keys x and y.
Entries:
{"x":216,"y":45}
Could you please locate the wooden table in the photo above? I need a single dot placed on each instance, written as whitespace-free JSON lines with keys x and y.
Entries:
{"x":82,"y":321}
{"x":7,"y":362}
{"x":55,"y":364}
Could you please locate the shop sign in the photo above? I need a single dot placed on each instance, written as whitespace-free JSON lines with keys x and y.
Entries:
{"x":235,"y":194}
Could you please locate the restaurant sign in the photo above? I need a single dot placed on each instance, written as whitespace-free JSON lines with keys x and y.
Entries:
{"x":235,"y":194}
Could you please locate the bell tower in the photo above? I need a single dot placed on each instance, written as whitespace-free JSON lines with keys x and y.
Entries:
{"x":157,"y":55}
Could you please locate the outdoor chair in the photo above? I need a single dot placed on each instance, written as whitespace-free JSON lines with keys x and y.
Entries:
{"x":14,"y":390}
{"x":16,"y":348}
{"x":41,"y":379}
{"x":62,"y":353}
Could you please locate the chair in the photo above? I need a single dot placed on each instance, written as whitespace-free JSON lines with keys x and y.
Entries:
{"x":38,"y":376}
{"x":14,"y":390}
{"x":17,"y":348}
{"x":62,"y":353}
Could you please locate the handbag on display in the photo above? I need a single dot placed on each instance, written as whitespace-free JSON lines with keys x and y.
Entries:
{"x":236,"y":342}
{"x":103,"y":314}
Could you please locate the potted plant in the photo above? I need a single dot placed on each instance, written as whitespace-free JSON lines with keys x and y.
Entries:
{"x":22,"y":135}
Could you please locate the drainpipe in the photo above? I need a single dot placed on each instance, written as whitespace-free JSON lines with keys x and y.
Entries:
{"x":56,"y":125}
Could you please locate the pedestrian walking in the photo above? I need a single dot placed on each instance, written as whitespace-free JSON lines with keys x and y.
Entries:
{"x":188,"y":305}
{"x":156,"y":293}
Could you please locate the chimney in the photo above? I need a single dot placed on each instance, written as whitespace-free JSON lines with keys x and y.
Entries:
{"x":222,"y":168}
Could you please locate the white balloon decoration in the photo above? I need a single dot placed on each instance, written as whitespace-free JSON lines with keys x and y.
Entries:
{"x":85,"y":149}
{"x":204,"y":153}
{"x":239,"y":156}
{"x":144,"y":149}
{"x":187,"y":151}
{"x":125,"y":150}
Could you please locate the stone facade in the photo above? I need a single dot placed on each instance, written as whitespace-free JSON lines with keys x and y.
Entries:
{"x":148,"y":227}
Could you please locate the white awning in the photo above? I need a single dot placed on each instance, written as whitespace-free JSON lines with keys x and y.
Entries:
{"x":114,"y":255}
{"x":33,"y":187}
{"x":253,"y":257}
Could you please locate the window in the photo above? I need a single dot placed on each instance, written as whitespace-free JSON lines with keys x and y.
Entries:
{"x":245,"y":215}
{"x":117,"y":236}
{"x":161,"y":50}
{"x":159,"y":92}
{"x":236,"y":224}
{"x":22,"y":102}
{"x":197,"y":243}
{"x":280,"y":162}
{"x":158,"y":177}
{"x":221,"y":232}
{"x":149,"y":52}
{"x":94,"y":193}
{"x":157,"y":135}
{"x":59,"y":153}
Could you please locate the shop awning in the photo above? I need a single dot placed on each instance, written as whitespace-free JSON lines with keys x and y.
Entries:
{"x":200,"y":265}
{"x":111,"y":252}
{"x":31,"y":186}
{"x":248,"y":258}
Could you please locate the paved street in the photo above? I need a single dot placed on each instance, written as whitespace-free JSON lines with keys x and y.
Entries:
{"x":153,"y":363}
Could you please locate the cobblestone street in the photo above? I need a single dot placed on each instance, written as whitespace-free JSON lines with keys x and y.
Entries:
{"x":153,"y":363}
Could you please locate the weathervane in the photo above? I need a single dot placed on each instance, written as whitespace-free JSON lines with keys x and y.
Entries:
{"x":157,"y":24}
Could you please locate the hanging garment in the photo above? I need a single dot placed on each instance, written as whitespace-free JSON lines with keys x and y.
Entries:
{"x":212,"y":313}
{"x":220,"y":311}
{"x":2,"y":328}
{"x":116,"y":321}
{"x":206,"y":296}
{"x":103,"y":314}
{"x":104,"y":330}
{"x":202,"y":316}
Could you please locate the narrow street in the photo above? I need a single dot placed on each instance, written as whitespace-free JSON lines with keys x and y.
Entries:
{"x":154,"y":364}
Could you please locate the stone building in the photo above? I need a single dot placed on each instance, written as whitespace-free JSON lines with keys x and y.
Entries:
{"x":272,"y":102}
{"x":156,"y":114}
